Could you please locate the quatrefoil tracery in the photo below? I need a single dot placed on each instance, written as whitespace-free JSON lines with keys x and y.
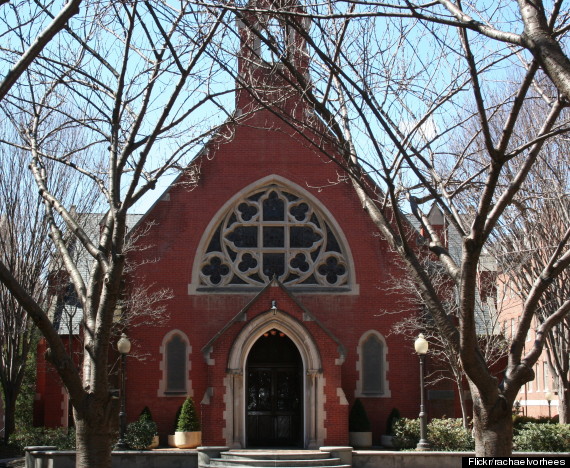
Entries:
{"x":274,"y":233}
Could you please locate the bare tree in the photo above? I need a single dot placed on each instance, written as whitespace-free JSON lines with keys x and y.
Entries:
{"x":526,"y":241}
{"x":25,"y":249}
{"x":388,"y":113}
{"x":25,"y":38}
{"x":143,"y":83}
{"x":446,"y":362}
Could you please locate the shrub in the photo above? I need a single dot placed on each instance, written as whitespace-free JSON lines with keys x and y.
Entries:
{"x":449,"y":435}
{"x":519,"y":421}
{"x":358,"y":419}
{"x":406,"y":433}
{"x":146,"y":415}
{"x":188,"y":420}
{"x":392,"y":418}
{"x":63,"y":438}
{"x":443,"y":434}
{"x":536,"y":437}
{"x":140,"y":434}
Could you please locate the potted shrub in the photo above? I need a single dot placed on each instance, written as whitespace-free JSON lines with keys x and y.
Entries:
{"x":359,"y":432}
{"x":146,"y":415}
{"x":188,"y":434}
{"x":388,"y":438}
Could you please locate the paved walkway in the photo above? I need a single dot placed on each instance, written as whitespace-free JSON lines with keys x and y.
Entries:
{"x":13,"y":462}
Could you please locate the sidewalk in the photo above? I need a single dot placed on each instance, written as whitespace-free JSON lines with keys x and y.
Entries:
{"x":13,"y":462}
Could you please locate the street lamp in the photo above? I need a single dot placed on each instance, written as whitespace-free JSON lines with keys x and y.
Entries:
{"x":421,"y":345}
{"x":124,"y":347}
{"x":548,"y":396}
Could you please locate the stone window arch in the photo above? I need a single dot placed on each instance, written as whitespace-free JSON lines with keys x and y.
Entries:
{"x":372,"y":366}
{"x":175,"y":365}
{"x":274,"y":231}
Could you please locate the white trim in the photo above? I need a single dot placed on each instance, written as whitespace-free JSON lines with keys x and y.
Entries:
{"x":162,"y":392}
{"x":538,"y":403}
{"x":350,"y":288}
{"x":386,"y":393}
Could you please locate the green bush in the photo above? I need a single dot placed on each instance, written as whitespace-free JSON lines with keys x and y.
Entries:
{"x":519,"y":421}
{"x":358,"y":419}
{"x":536,"y":437}
{"x":63,"y":438}
{"x":140,"y":434}
{"x":443,"y":434}
{"x":188,"y":420}
{"x":449,"y":435}
{"x":406,"y":433}
{"x":146,"y":415}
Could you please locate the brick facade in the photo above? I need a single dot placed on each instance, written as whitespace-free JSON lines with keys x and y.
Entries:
{"x":326,"y":325}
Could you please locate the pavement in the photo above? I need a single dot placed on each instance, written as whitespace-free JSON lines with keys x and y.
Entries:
{"x":13,"y":462}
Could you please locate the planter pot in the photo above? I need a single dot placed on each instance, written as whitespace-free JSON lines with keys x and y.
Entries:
{"x":360,"y":439}
{"x":154,"y":443}
{"x":171,"y":442}
{"x":187,"y":439}
{"x":387,"y":441}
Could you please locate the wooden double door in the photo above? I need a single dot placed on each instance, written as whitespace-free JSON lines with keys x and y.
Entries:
{"x":274,"y":393}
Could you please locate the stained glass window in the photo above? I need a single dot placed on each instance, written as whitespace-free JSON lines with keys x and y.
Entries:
{"x":273,"y":232}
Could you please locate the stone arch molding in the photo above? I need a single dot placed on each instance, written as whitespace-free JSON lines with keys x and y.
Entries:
{"x":162,"y":386}
{"x":313,"y":380}
{"x":316,"y":257}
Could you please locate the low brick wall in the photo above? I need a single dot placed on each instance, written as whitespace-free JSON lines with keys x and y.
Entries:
{"x":39,"y":457}
{"x":123,"y":459}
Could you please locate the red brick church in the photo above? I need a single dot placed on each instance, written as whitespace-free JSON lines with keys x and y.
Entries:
{"x":280,"y":285}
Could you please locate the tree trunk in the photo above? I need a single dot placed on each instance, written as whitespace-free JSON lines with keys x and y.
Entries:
{"x":463,"y":403}
{"x":493,"y":427}
{"x":563,"y":403}
{"x":96,"y":434}
{"x":9,"y":413}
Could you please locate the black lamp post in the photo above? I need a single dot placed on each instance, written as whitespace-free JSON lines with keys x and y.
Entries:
{"x":421,"y":345}
{"x":124,"y":347}
{"x":548,"y":396}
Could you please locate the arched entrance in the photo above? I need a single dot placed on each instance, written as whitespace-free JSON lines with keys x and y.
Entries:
{"x":312,"y":393}
{"x":274,"y":401}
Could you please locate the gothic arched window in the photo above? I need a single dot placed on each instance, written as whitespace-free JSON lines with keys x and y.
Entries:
{"x":372,"y":365}
{"x":273,"y":232}
{"x":175,"y":364}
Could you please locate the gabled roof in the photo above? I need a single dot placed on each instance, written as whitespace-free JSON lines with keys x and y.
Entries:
{"x":67,"y":313}
{"x":241,"y":316}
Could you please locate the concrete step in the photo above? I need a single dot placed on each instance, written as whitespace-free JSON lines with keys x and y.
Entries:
{"x":267,"y":463}
{"x":281,"y":454}
{"x":245,"y":458}
{"x":289,"y":463}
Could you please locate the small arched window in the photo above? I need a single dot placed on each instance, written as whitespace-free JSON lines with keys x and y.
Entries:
{"x":175,"y":365}
{"x":372,"y":366}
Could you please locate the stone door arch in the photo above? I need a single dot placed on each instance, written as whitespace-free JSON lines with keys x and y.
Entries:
{"x":313,"y":382}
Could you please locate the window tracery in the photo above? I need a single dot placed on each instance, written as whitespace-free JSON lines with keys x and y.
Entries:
{"x":274,"y":232}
